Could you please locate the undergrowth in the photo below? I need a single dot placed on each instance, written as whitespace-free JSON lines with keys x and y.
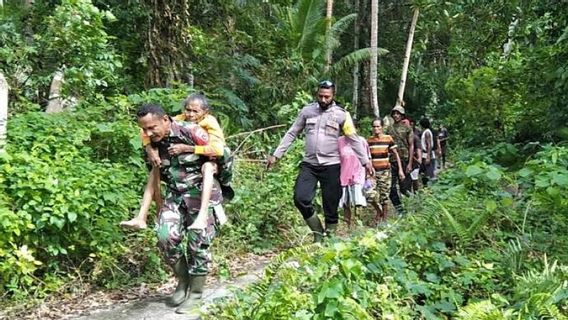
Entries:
{"x":484,"y":242}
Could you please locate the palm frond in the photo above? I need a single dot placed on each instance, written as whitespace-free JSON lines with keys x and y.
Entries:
{"x":458,"y":229}
{"x":348,"y":61}
{"x":337,"y":29}
{"x":310,"y":24}
{"x":482,"y":310}
{"x":514,"y":255}
{"x":542,"y":292}
{"x":341,"y":25}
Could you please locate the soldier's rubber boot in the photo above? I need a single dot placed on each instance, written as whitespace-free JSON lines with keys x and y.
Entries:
{"x":180,"y":294}
{"x":192,"y":305}
{"x":315,"y":225}
{"x":330,"y":229}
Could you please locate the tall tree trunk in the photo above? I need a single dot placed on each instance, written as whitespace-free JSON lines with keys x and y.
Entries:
{"x":3,"y":110}
{"x":374,"y":57}
{"x":329,"y":49}
{"x":167,"y":41}
{"x":55,"y":101}
{"x":400,"y":96}
{"x":355,"y":99}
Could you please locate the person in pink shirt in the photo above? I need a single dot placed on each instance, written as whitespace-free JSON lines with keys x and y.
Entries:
{"x":352,"y":177}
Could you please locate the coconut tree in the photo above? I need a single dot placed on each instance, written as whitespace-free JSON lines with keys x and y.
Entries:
{"x":400,"y":96}
{"x":329,"y":49}
{"x":355,"y":71}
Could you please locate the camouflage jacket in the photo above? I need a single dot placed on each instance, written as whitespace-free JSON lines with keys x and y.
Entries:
{"x":401,"y":135}
{"x":181,"y":172}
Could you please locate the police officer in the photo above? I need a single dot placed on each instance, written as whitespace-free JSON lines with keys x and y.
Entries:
{"x":322,"y":122}
{"x":181,"y":171}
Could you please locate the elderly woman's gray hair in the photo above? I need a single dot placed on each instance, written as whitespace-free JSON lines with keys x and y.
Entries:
{"x":200,"y":98}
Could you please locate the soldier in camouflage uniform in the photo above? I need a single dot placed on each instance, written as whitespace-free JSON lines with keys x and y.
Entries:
{"x":404,"y":140}
{"x":181,"y":171}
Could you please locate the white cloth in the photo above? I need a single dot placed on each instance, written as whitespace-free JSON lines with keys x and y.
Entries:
{"x":423,"y":141}
{"x":414,"y":174}
{"x":353,"y":195}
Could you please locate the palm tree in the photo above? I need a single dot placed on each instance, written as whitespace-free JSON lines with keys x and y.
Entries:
{"x":400,"y":96}
{"x":329,"y":49}
{"x":355,"y":100}
{"x":374,"y":57}
{"x":305,"y":27}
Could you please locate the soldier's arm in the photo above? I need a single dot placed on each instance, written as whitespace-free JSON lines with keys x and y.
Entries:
{"x":191,"y":137}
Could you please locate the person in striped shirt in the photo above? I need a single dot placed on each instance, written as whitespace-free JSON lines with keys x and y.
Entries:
{"x":381,"y":145}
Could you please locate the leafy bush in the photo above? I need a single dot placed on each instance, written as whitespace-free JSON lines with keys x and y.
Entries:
{"x":62,"y":198}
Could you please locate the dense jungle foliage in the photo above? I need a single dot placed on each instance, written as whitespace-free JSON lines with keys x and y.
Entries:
{"x":495,"y":73}
{"x":479,"y":244}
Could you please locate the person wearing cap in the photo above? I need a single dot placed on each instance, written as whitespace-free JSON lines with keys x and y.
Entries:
{"x":404,"y":139}
{"x":322,"y":122}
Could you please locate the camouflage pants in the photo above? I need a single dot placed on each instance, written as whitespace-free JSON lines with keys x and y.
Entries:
{"x":380,"y":194}
{"x":177,"y":213}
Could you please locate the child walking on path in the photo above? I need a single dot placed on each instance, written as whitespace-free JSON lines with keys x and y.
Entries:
{"x":352,"y":178}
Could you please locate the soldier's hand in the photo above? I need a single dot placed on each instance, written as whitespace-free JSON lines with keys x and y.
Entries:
{"x":153,"y":156}
{"x":179,"y":148}
{"x":270,"y":162}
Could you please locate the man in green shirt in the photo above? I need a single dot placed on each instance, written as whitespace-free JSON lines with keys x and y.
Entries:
{"x":403,"y":138}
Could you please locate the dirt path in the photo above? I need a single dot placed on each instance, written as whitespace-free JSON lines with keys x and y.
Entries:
{"x":156,"y":308}
{"x":141,"y":302}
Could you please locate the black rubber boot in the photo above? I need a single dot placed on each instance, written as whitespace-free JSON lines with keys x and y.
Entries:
{"x":330,"y":229}
{"x":315,"y":225}
{"x":192,"y":305}
{"x":180,"y":294}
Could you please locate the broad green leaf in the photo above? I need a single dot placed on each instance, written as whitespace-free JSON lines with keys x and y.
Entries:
{"x":331,"y":308}
{"x":72,"y":216}
{"x":525,"y":172}
{"x":493,"y":174}
{"x":560,"y":179}
{"x":490,"y":205}
{"x":473,"y":170}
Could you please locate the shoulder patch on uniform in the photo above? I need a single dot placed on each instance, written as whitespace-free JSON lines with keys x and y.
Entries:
{"x":340,"y":106}
{"x":199,"y":135}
